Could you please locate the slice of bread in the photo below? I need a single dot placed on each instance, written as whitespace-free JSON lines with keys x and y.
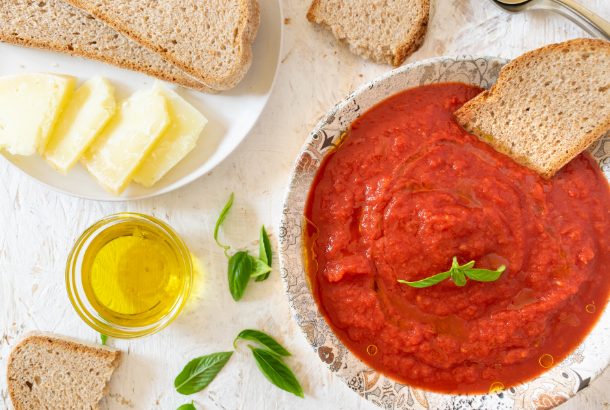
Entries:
{"x":48,"y":371}
{"x":547,"y":106}
{"x":57,"y":26}
{"x":209,"y":40}
{"x":381,"y":31}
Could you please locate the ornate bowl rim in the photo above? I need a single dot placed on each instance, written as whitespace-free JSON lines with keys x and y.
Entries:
{"x":550,"y":389}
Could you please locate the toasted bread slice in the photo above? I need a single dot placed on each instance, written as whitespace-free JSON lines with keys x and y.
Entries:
{"x":57,"y":26}
{"x":48,"y":371}
{"x":383,"y":32}
{"x":547,"y":106}
{"x":209,"y":40}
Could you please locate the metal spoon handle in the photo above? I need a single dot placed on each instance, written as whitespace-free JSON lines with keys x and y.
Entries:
{"x":589,"y":21}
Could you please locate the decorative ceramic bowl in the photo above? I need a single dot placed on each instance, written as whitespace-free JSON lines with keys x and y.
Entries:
{"x":545,"y":392}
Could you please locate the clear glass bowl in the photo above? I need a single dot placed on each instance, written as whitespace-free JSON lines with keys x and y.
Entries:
{"x":101,"y":322}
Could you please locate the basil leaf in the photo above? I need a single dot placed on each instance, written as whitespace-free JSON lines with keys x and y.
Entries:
{"x":469,"y":265}
{"x":104,"y":339}
{"x":240,"y":269}
{"x":221,"y":219}
{"x":188,"y":406}
{"x":432,"y":280}
{"x":458,"y":277}
{"x":485,"y":275}
{"x":259,"y":268}
{"x":264,"y":340}
{"x":276,"y":371}
{"x":264,"y":253}
{"x":200,"y":372}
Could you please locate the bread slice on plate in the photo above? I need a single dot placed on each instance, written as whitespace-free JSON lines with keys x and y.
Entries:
{"x":208,"y":40}
{"x":380,"y":31}
{"x":48,"y":371}
{"x":57,"y":26}
{"x":547,"y":106}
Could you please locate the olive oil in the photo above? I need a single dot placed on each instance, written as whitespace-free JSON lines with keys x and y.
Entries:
{"x":132,"y":274}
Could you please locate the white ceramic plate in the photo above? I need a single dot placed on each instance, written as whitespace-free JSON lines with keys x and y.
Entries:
{"x":231,"y":114}
{"x":547,"y":391}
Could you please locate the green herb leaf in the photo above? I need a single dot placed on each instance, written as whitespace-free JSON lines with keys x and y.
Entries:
{"x":188,"y":406}
{"x":221,"y":219}
{"x":200,"y":372}
{"x":276,"y":371}
{"x":259,"y":268}
{"x":264,"y":340}
{"x":104,"y":339}
{"x":458,"y":277}
{"x":432,"y":280}
{"x":265,"y":253}
{"x":469,"y":265}
{"x":484,"y":275}
{"x":240,"y":269}
{"x":459,"y":274}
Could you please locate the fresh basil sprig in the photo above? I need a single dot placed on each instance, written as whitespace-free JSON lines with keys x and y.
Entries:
{"x":240,"y":269}
{"x":221,"y":219}
{"x":188,"y":406}
{"x":269,"y":362}
{"x":104,"y":339}
{"x":264,"y":253}
{"x":276,"y":371}
{"x":264,"y":340}
{"x":242,"y":266}
{"x":459,"y":274}
{"x":200,"y":372}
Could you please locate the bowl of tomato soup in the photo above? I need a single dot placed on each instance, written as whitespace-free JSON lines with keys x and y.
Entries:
{"x":389,"y":188}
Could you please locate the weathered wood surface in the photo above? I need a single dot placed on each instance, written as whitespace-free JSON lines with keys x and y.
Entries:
{"x":38,"y":226}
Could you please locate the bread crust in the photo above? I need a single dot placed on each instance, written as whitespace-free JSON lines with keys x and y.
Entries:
{"x":183,"y":82}
{"x":105,"y":353}
{"x":312,"y":11}
{"x":418,"y":38}
{"x":467,"y":113}
{"x":413,"y":43}
{"x":250,"y":12}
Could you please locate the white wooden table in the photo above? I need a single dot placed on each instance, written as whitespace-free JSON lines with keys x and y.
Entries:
{"x":38,"y":226}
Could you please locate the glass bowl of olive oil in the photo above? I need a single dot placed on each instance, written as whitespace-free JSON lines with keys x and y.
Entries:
{"x":129,"y":275}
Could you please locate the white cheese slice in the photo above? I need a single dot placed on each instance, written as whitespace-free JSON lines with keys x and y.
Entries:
{"x":122,"y":146}
{"x":177,"y":141}
{"x":29,"y":107}
{"x":85,"y":115}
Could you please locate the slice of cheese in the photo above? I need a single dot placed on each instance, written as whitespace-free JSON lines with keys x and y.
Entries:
{"x":29,"y":107}
{"x":122,"y":146}
{"x":177,"y":141}
{"x":86,"y":113}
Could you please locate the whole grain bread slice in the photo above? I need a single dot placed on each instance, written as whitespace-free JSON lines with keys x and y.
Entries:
{"x":383,"y":31}
{"x":48,"y":371}
{"x":208,"y":39}
{"x":547,"y":106}
{"x":57,"y":26}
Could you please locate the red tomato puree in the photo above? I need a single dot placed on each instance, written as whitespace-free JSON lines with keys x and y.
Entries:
{"x":407,"y":191}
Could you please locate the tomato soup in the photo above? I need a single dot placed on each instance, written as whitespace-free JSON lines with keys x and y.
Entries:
{"x":408,"y":190}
